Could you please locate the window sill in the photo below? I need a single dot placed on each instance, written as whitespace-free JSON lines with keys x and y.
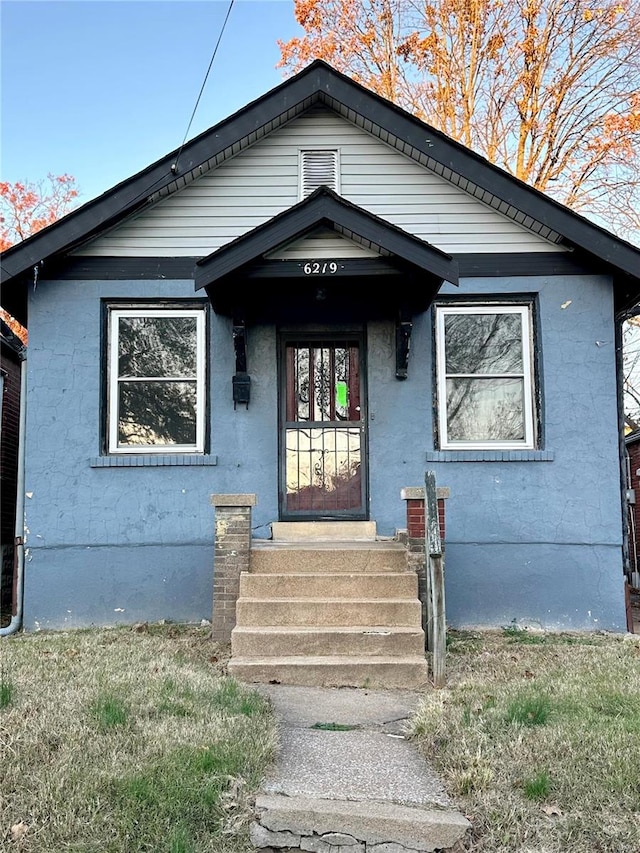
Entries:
{"x":152,"y":460}
{"x":490,"y":455}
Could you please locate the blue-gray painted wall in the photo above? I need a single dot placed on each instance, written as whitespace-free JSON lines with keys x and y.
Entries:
{"x":536,"y":541}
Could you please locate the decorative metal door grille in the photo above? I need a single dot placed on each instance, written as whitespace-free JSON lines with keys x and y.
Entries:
{"x":323,"y":429}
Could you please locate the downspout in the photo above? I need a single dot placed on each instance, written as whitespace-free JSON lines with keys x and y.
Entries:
{"x":16,"y":619}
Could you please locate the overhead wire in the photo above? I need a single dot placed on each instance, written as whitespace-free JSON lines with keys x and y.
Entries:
{"x":174,"y":167}
{"x":148,"y":190}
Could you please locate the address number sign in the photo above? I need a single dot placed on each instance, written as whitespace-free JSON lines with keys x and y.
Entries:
{"x":320,"y":268}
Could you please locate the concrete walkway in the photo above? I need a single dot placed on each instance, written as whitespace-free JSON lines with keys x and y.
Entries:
{"x":347,"y":780}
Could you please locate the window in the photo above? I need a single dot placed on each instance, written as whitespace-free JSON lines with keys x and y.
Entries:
{"x":156,"y":388}
{"x":319,"y":167}
{"x":484,"y":370}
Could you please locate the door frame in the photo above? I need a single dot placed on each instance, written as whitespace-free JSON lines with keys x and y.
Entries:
{"x":315,"y":335}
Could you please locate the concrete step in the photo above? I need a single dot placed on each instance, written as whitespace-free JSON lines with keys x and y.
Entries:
{"x":333,"y":641}
{"x":308,"y":531}
{"x":334,"y":671}
{"x":326,"y":612}
{"x":384,"y":826}
{"x":269,"y":557}
{"x":307,"y":585}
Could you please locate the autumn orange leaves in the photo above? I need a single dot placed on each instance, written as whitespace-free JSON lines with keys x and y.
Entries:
{"x":27,"y":207}
{"x":547,"y":89}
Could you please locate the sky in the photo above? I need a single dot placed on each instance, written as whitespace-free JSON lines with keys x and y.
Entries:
{"x":100,"y":89}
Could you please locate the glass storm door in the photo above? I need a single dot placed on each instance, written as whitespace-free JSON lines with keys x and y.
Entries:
{"x":323,"y":437}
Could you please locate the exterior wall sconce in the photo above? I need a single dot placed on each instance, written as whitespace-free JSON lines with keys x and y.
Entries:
{"x":404,"y":326}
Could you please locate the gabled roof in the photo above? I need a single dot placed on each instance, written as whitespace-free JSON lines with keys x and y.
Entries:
{"x":326,"y":208}
{"x":319,"y":83}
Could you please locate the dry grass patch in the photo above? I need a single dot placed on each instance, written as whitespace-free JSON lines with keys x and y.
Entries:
{"x":537,"y":737}
{"x":122,"y":740}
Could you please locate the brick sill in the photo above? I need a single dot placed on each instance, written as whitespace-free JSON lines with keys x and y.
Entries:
{"x":490,"y":455}
{"x":152,"y":460}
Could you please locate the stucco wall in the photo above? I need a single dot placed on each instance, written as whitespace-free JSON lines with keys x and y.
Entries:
{"x":111,"y":544}
{"x":535,"y":541}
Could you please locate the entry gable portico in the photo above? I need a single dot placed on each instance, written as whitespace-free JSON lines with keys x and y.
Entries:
{"x":417,"y":268}
{"x":378,"y":271}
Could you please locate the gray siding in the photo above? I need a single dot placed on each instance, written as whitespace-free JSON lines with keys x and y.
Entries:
{"x":321,"y":244}
{"x":263,"y":181}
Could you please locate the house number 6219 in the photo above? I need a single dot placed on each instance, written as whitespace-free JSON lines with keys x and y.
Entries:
{"x":320,"y":268}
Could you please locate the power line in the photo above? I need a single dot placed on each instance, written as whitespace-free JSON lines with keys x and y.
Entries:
{"x":174,"y":167}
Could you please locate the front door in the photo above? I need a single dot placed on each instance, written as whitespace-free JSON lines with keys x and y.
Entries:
{"x":323,"y":459}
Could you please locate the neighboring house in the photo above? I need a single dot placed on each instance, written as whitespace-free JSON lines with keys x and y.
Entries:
{"x":632,"y":456}
{"x":13,"y":352}
{"x":321,"y":299}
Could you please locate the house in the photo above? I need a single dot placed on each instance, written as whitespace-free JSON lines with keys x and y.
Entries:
{"x":12,"y":354}
{"x":632,"y":459}
{"x":313,"y":303}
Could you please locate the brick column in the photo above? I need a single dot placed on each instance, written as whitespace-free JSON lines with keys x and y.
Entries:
{"x":416,"y":552}
{"x":415,"y":511}
{"x":232,"y":549}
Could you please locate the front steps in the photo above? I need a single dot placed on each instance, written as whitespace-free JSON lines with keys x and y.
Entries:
{"x":322,"y":610}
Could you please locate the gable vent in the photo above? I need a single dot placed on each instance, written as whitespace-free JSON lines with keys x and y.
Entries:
{"x":319,"y":167}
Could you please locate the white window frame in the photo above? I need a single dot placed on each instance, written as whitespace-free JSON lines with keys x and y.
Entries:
{"x":526,"y":326}
{"x":308,"y":150}
{"x":115,"y":314}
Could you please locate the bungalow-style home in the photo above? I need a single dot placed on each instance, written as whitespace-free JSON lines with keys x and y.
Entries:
{"x":632,"y":459}
{"x":12,"y":354}
{"x":300,"y":313}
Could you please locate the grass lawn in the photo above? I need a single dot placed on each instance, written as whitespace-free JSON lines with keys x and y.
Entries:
{"x":537,"y":738}
{"x":123,"y":741}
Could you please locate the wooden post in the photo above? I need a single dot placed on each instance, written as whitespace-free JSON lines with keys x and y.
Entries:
{"x":428,"y":631}
{"x":436,"y":570}
{"x":435,"y":583}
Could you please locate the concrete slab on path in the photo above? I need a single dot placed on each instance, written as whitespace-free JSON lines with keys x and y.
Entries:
{"x":302,"y":707}
{"x":345,"y":775}
{"x":353,"y":766}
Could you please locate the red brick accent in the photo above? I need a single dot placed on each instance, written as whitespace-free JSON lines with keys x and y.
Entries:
{"x":415,"y":519}
{"x":441,"y":518}
{"x":10,"y":366}
{"x":9,"y":451}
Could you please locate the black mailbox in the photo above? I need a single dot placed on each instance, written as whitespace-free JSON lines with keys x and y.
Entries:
{"x":241,"y":389}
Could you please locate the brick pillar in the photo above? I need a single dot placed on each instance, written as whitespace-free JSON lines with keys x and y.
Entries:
{"x":416,"y":551}
{"x":232,"y":549}
{"x":415,"y":511}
